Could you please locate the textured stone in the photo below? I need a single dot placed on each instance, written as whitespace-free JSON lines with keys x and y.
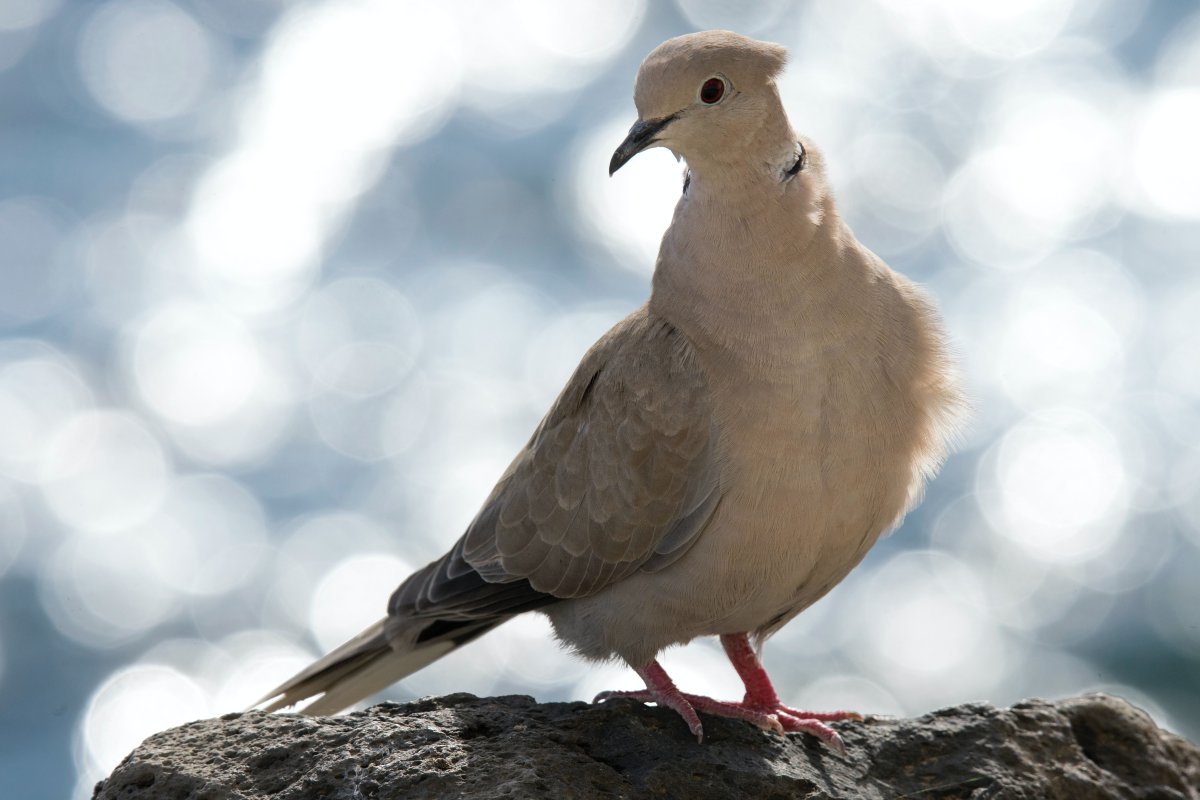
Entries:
{"x":465,"y":747}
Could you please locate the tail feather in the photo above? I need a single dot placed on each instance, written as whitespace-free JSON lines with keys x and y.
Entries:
{"x":358,"y":669}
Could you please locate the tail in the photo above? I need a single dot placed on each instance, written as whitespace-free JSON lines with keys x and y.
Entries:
{"x":366,"y":664}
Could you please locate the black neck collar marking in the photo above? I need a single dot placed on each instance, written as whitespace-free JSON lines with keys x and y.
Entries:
{"x":801,"y":162}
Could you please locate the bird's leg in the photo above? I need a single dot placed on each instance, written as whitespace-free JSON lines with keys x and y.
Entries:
{"x":761,"y":706}
{"x":662,"y":690}
{"x":762,"y":697}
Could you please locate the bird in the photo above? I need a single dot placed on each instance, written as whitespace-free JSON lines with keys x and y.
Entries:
{"x":723,"y":456}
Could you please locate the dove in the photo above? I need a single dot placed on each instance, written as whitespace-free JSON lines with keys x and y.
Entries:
{"x":723,"y":456}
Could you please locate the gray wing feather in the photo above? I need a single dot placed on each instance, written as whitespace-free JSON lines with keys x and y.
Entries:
{"x":621,"y":475}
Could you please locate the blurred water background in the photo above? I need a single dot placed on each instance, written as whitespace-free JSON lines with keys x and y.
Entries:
{"x":283,"y":286}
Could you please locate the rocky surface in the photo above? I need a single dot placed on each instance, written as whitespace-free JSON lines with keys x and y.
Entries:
{"x":466,"y":747}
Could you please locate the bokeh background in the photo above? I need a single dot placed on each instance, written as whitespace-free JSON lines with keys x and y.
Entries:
{"x":283,"y":286}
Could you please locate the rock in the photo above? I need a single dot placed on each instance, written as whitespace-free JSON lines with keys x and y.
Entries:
{"x":466,"y":747}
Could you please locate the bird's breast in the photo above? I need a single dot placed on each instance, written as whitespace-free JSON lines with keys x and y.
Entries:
{"x":821,"y":452}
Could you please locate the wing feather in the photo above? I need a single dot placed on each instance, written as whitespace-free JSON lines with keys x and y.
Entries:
{"x":623,"y":472}
{"x":621,"y":475}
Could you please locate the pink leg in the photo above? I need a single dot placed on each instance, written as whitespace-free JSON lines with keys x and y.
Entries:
{"x":760,"y":706}
{"x":760,"y":692}
{"x":661,"y":689}
{"x":761,"y":695}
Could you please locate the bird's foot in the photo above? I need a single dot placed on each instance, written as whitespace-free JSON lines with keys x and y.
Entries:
{"x":776,"y":719}
{"x":669,"y":699}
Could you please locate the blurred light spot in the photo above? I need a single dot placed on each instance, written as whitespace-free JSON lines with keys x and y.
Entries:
{"x":12,"y":527}
{"x":584,"y":32}
{"x":1131,"y":561}
{"x":117,"y":269}
{"x":1067,"y":330}
{"x":1059,"y":141}
{"x":320,"y":539}
{"x":461,"y":468}
{"x":220,"y":388}
{"x":161,"y":189}
{"x":928,"y":636}
{"x":1176,"y":341}
{"x":352,"y":595}
{"x":1064,"y":612}
{"x":471,"y":668}
{"x":628,"y":213}
{"x":700,"y":668}
{"x":1166,"y":161}
{"x":251,"y":434}
{"x":359,"y":339}
{"x":534,"y":656}
{"x":980,"y":218}
{"x":546,"y":47}
{"x":195,"y":365}
{"x":744,"y":16}
{"x":845,"y":693}
{"x":39,"y":390}
{"x":134,"y":703}
{"x":253,"y":663}
{"x":1010,"y":29}
{"x":305,"y":554}
{"x":340,"y":83}
{"x":486,"y":330}
{"x":373,"y":427}
{"x":103,"y":471}
{"x":100,"y":591}
{"x":145,"y":60}
{"x":405,"y":418}
{"x":897,"y":184}
{"x":1044,"y":171}
{"x":17,"y":14}
{"x":1052,"y":674}
{"x":1015,"y":580}
{"x":1063,"y":485}
{"x":480,"y":409}
{"x":553,"y":354}
{"x":1172,"y":603}
{"x":250,"y":19}
{"x":814,"y":635}
{"x":918,"y":630}
{"x":33,"y":277}
{"x":208,"y":538}
{"x":359,"y":336}
{"x":1179,"y":57}
{"x":1185,"y":494}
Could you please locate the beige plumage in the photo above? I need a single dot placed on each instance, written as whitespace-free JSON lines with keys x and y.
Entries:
{"x":723,"y":456}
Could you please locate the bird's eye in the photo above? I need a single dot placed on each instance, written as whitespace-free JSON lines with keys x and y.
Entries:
{"x":712,"y":91}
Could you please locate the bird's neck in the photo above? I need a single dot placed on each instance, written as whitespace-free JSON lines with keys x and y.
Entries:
{"x":756,"y":260}
{"x":758,"y":156}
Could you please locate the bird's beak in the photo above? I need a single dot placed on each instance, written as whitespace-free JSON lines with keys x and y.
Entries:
{"x":641,"y":136}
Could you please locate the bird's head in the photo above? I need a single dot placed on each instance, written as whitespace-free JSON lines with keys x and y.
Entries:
{"x":704,"y":96}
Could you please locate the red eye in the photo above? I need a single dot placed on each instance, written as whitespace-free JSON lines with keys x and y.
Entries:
{"x":712,"y":90}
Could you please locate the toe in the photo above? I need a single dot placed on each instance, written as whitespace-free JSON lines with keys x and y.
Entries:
{"x":823,"y":716}
{"x":817,"y":728}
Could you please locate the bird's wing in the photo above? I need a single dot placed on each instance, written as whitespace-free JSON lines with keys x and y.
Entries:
{"x":621,"y":475}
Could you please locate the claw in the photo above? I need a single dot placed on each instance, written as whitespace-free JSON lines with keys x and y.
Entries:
{"x":761,"y":706}
{"x":614,"y":694}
